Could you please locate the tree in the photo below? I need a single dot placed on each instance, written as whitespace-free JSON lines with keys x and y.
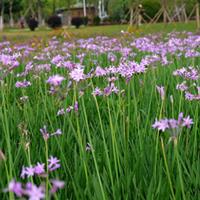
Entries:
{"x":197,"y":14}
{"x":1,"y":14}
{"x":84,"y":9}
{"x":133,"y":6}
{"x":39,"y":12}
{"x":11,"y":13}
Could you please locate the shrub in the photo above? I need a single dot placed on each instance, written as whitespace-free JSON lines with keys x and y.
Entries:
{"x":96,"y":20}
{"x":77,"y":21}
{"x":151,"y":8}
{"x":85,"y":21}
{"x":116,"y":11}
{"x":54,"y":22}
{"x":32,"y":24}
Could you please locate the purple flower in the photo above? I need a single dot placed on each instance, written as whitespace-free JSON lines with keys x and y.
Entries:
{"x":187,"y":122}
{"x":97,"y":92}
{"x":77,"y":74}
{"x":58,"y":132}
{"x":56,"y":184}
{"x":30,"y":171}
{"x":189,"y":96}
{"x":161,"y":91}
{"x":39,"y":168}
{"x":57,"y":60}
{"x":189,"y":73}
{"x":16,"y":188}
{"x":180,"y":118}
{"x":173,"y":124}
{"x":107,"y":91}
{"x":36,"y":193}
{"x":53,"y":164}
{"x":22,"y":84}
{"x":161,"y":125}
{"x":23,"y":172}
{"x":44,"y":133}
{"x":100,"y":71}
{"x":27,"y":171}
{"x":55,"y":80}
{"x":182,"y":86}
{"x":69,"y":109}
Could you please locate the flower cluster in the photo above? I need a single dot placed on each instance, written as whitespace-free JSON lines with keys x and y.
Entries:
{"x":39,"y":169}
{"x":46,"y":135}
{"x":32,"y":191}
{"x":22,"y":84}
{"x":165,"y":124}
{"x":108,"y":90}
{"x":55,"y":80}
{"x":77,"y":74}
{"x":63,"y":111}
{"x":190,"y":74}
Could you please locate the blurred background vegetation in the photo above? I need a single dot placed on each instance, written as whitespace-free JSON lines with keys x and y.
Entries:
{"x":117,"y":10}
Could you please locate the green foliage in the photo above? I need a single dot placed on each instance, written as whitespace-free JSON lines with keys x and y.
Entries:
{"x":32,"y":24}
{"x":119,"y":9}
{"x":54,"y":22}
{"x":17,"y":6}
{"x":85,"y":21}
{"x":151,"y":7}
{"x":77,"y":21}
{"x":128,"y":159}
{"x":96,"y":20}
{"x":116,"y":10}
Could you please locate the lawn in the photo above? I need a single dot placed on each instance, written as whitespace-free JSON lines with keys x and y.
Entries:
{"x":19,"y":35}
{"x":96,"y":117}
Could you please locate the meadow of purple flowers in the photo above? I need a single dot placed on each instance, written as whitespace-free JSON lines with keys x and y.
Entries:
{"x":101,"y":118}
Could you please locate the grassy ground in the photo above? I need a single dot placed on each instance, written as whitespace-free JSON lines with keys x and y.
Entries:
{"x":19,"y":35}
{"x":126,"y":157}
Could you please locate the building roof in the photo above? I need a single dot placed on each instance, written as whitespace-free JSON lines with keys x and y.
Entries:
{"x":74,"y":6}
{"x":80,"y":5}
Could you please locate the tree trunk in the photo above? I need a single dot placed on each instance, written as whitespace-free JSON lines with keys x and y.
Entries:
{"x":197,"y":15}
{"x":54,"y":6}
{"x":1,"y":23}
{"x":84,"y":8}
{"x":164,"y":11}
{"x":131,"y":16}
{"x":1,"y":15}
{"x":103,"y":8}
{"x":99,"y":8}
{"x":39,"y":6}
{"x":11,"y":13}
